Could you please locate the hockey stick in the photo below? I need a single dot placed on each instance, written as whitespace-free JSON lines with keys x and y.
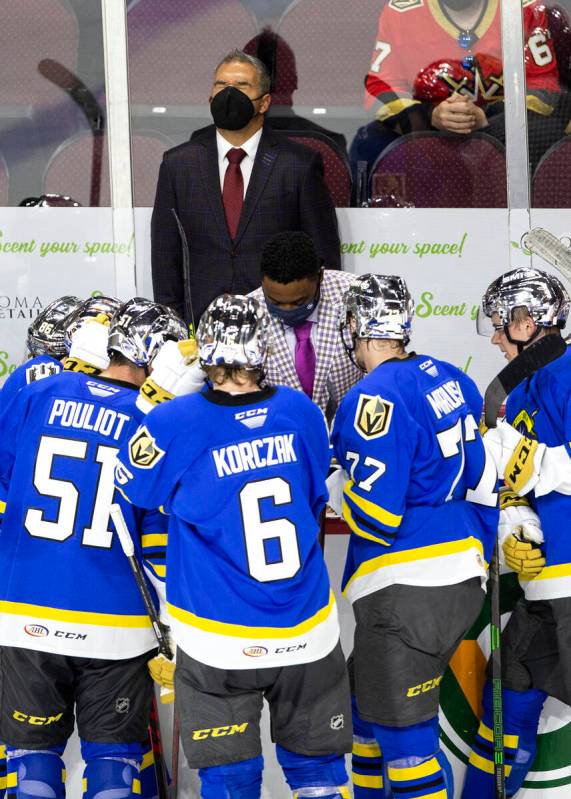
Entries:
{"x":539,"y":354}
{"x":60,"y":76}
{"x":188,"y":312}
{"x":543,"y":243}
{"x":164,"y":646}
{"x":496,"y":656}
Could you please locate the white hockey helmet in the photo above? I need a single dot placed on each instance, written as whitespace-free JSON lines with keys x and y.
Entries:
{"x":46,"y":334}
{"x":141,"y":327}
{"x":543,"y":296}
{"x":378,"y":306}
{"x":234,"y":331}
{"x":89,"y":309}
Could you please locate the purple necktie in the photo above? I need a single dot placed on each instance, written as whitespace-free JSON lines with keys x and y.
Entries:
{"x":233,"y":190}
{"x":304,"y":357}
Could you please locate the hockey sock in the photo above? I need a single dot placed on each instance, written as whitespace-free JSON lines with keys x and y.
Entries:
{"x":147,"y":774}
{"x":415,"y":765}
{"x":314,"y":776}
{"x":521,"y":713}
{"x":111,"y":770}
{"x":369,"y":781}
{"x":241,"y":780}
{"x":3,"y":771}
{"x":35,"y":774}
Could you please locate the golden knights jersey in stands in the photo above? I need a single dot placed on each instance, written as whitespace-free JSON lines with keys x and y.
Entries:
{"x":421,"y":500}
{"x":66,"y":585}
{"x":243,"y":479}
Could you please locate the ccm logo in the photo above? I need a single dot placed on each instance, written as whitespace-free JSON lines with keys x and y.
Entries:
{"x":219,"y":732}
{"x":36,"y":630}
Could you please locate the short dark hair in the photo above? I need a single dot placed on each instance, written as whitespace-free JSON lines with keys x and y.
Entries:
{"x":290,"y":256}
{"x":264,"y":78}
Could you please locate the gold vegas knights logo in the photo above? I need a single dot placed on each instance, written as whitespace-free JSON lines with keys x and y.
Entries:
{"x":373,"y":416}
{"x":143,"y":450}
{"x":460,"y":704}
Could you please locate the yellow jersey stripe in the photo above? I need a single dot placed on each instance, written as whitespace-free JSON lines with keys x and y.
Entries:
{"x":371,"y":509}
{"x":485,"y":765}
{"x":123,"y":494}
{"x":11,"y":779}
{"x":366,"y":750}
{"x":549,"y":572}
{"x":136,"y":788}
{"x":84,"y":785}
{"x":419,"y":553}
{"x":148,"y":760}
{"x":159,"y":569}
{"x":348,"y":516}
{"x":2,"y":506}
{"x":431,"y":766}
{"x":154,"y":540}
{"x":367,"y":780}
{"x":240,"y":630}
{"x":511,"y":741}
{"x":74,"y":616}
{"x":3,"y":783}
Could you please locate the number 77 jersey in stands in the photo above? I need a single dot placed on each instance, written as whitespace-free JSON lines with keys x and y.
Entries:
{"x":243,"y":479}
{"x":66,"y":585}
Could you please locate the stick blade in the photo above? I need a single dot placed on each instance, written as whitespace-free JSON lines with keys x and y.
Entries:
{"x":539,"y":354}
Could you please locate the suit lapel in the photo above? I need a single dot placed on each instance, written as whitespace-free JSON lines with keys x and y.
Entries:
{"x":211,"y":179}
{"x":263,"y":164}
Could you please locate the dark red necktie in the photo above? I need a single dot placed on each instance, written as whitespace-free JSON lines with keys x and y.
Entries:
{"x":233,"y":190}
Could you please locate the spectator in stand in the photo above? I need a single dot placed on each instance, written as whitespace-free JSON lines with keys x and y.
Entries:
{"x":437,"y":65}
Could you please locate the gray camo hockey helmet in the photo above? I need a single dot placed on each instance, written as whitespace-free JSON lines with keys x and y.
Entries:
{"x":234,"y":331}
{"x":543,"y":296}
{"x":89,"y":309}
{"x":46,"y":334}
{"x":141,"y":327}
{"x":379,"y":307}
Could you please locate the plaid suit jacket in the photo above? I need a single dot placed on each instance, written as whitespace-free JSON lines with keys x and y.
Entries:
{"x":286,"y":192}
{"x":334,"y":370}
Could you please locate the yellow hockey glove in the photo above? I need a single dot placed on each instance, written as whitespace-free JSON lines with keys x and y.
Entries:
{"x":522,"y":556}
{"x":162,"y":671}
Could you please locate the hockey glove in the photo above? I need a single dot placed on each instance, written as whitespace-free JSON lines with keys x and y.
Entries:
{"x":517,"y":458}
{"x":162,"y":671}
{"x":176,"y":372}
{"x":520,"y":535}
{"x":88,"y":351}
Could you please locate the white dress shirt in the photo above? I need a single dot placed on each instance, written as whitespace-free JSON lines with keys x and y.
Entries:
{"x":250,"y":147}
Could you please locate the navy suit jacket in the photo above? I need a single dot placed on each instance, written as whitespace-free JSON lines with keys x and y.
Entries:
{"x":286,"y":192}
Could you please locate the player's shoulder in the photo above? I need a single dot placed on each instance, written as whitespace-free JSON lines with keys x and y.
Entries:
{"x":558,"y":372}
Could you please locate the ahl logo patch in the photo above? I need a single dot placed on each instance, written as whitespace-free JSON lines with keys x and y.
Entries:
{"x":373,"y":416}
{"x":143,"y":450}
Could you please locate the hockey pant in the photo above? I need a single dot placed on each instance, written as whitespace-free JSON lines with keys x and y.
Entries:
{"x":521,"y":713}
{"x":308,"y":777}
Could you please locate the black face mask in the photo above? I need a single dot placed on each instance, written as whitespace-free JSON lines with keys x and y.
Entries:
{"x":231,"y":109}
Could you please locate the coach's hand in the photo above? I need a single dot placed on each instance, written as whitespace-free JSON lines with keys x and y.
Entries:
{"x":162,"y":671}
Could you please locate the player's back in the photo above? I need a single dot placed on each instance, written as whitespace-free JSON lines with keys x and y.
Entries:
{"x":29,"y":372}
{"x":420,"y":480}
{"x":243,"y":478}
{"x":66,"y":584}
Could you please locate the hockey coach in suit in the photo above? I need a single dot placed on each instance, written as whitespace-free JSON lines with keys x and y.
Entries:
{"x":234,"y":186}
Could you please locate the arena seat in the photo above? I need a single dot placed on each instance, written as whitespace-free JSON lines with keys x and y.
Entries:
{"x":551,"y":182}
{"x":335,"y":163}
{"x":332,"y":41}
{"x":440,"y":170}
{"x":174,"y":46}
{"x":73,"y":168}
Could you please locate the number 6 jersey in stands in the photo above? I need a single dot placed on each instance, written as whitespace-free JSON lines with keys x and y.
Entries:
{"x":243,"y":479}
{"x":66,"y":585}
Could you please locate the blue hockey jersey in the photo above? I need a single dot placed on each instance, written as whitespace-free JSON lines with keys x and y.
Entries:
{"x":29,"y":372}
{"x":243,"y":479}
{"x":540,"y":408}
{"x":66,"y":585}
{"x":421,"y":500}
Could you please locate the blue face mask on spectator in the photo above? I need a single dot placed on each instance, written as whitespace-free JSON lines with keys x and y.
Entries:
{"x":293,"y":316}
